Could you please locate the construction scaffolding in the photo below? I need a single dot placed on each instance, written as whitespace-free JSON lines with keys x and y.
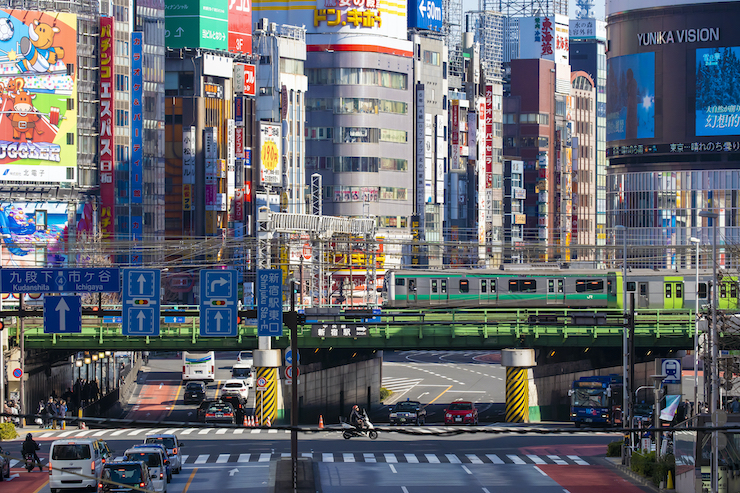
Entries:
{"x":452,"y":32}
{"x":488,"y":29}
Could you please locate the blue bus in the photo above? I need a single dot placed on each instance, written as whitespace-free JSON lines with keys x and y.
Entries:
{"x":596,"y":400}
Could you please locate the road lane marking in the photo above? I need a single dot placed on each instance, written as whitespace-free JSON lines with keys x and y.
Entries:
{"x":307,"y":454}
{"x":177,"y":394}
{"x":188,"y":431}
{"x":221,"y":431}
{"x":202,"y":459}
{"x":516,"y":459}
{"x":369,"y":457}
{"x":348,"y":457}
{"x":222,"y":458}
{"x":536,"y":459}
{"x":264,"y":458}
{"x":44,"y":486}
{"x":577,"y":460}
{"x":326,"y":457}
{"x":66,"y":433}
{"x":557,"y":460}
{"x":403,"y":488}
{"x":453,"y":459}
{"x":184,"y":458}
{"x":243,"y":458}
{"x":218,"y":388}
{"x":541,"y":471}
{"x":46,"y":435}
{"x":393,"y":469}
{"x":272,"y":431}
{"x":204,"y":431}
{"x":390,"y":458}
{"x":440,"y":395}
{"x":83,"y":433}
{"x":467,"y":470}
{"x":238,"y":431}
{"x":135,"y":432}
{"x":190,"y":480}
{"x":474,"y":459}
{"x":485,"y":490}
{"x":431,"y":458}
{"x":411,"y":458}
{"x":102,"y":432}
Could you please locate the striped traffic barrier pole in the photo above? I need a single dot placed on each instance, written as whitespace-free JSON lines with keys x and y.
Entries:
{"x":517,"y":362}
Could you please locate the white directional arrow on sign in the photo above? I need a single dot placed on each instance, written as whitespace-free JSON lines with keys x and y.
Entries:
{"x":220,"y":281}
{"x":218,"y":318}
{"x":141,"y":281}
{"x":141,"y":318}
{"x":179,"y":32}
{"x":422,"y":8}
{"x":62,"y":309}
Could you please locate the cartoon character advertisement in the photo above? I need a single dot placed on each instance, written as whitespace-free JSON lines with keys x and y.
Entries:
{"x":26,"y":226}
{"x":38,"y":127}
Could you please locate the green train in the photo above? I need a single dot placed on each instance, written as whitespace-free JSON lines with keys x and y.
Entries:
{"x":551,"y":288}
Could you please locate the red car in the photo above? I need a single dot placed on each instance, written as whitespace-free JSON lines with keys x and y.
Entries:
{"x":461,"y":412}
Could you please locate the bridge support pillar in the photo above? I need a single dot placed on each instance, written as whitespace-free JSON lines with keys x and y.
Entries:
{"x":267,"y":397}
{"x":517,"y":361}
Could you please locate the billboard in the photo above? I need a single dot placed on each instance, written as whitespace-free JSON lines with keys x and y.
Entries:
{"x":630,"y":99}
{"x":545,"y":37}
{"x":107,"y":130}
{"x":197,"y":24}
{"x":271,"y":169}
{"x":37,"y":78}
{"x":137,"y":123}
{"x":425,"y":14}
{"x":717,"y":108}
{"x":240,"y":26}
{"x":33,"y":227}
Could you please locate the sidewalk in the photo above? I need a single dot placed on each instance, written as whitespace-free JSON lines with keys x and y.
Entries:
{"x":616,"y":463}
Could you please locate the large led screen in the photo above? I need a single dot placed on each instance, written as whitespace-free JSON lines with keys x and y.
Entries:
{"x":630,"y":98}
{"x":718,"y":91}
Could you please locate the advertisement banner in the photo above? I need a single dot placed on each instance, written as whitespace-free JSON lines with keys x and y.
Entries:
{"x":717,"y":110}
{"x":250,"y":80}
{"x":239,"y":205}
{"x":137,"y":123}
{"x":37,"y":130}
{"x":187,"y":197}
{"x":107,"y":105}
{"x":239,"y":142}
{"x":188,"y":155}
{"x":271,"y":168}
{"x":32,"y":224}
{"x":630,"y":101}
{"x":420,"y":171}
{"x":455,"y":136}
{"x":238,"y":109}
{"x":197,"y":24}
{"x":240,"y":26}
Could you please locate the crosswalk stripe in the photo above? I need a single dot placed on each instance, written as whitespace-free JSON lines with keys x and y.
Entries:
{"x":83,"y":433}
{"x":171,"y":431}
{"x":453,"y":459}
{"x":474,"y":459}
{"x":204,"y":431}
{"x":188,"y":431}
{"x":238,"y":431}
{"x":411,"y":458}
{"x":47,"y":434}
{"x":578,"y":460}
{"x":135,"y":432}
{"x":222,"y":458}
{"x":391,"y":458}
{"x":101,"y":433}
{"x":348,"y":457}
{"x":307,"y":454}
{"x":256,"y":431}
{"x":431,"y":458}
{"x":154,"y":431}
{"x":516,"y":459}
{"x":557,"y":460}
{"x":272,"y":431}
{"x":67,"y":433}
{"x":14,"y":462}
{"x":243,"y":458}
{"x":265,"y":457}
{"x":184,"y":458}
{"x":536,"y":459}
{"x":494,"y":458}
{"x":285,"y":455}
{"x":221,"y":432}
{"x":369,"y":457}
{"x":327,"y":457}
{"x":202,"y":459}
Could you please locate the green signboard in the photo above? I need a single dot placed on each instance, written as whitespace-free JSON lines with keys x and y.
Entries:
{"x":197,"y":24}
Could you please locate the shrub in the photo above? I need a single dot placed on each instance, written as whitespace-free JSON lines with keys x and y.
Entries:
{"x":7,"y":431}
{"x":614,"y":449}
{"x":645,"y":465}
{"x":384,"y":393}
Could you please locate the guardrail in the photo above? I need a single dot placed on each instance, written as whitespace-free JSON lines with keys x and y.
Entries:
{"x":397,"y":329}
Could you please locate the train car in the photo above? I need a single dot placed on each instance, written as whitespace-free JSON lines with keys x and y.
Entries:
{"x":553,"y":288}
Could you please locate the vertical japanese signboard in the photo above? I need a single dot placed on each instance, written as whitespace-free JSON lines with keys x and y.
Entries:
{"x":250,"y":80}
{"x":489,"y":153}
{"x":455,"y":136}
{"x":269,"y":302}
{"x":271,"y":169}
{"x":188,"y":167}
{"x":419,"y":196}
{"x":240,"y":26}
{"x":107,"y":162}
{"x":481,"y":166}
{"x":137,"y":126}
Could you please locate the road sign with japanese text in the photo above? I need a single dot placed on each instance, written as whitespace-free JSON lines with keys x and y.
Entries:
{"x":269,"y":302}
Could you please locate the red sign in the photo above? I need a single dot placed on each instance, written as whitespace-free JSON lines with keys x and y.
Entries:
{"x":107,"y":144}
{"x":546,"y":36}
{"x":239,"y":142}
{"x":248,"y":192}
{"x":250,"y":80}
{"x":239,"y":204}
{"x":240,"y":26}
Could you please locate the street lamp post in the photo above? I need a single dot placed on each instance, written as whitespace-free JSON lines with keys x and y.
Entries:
{"x":625,"y":341}
{"x":714,"y":336}
{"x":696,"y":241}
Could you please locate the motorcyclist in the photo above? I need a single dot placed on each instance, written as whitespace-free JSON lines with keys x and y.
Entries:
{"x":29,"y":450}
{"x":355,"y":418}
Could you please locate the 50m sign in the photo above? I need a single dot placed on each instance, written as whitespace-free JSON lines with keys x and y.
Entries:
{"x":271,"y":171}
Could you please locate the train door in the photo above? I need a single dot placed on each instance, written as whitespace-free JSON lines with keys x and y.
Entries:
{"x":555,"y":291}
{"x":643,"y":300}
{"x":412,"y":291}
{"x":487,"y":292}
{"x":727,"y":295}
{"x":438,"y":291}
{"x":672,"y":293}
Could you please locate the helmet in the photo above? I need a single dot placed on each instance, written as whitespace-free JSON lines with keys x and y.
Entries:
{"x":356,"y":407}
{"x":29,"y":436}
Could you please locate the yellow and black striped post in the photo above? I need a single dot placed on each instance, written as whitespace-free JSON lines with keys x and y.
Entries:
{"x":265,"y":401}
{"x":517,"y":395}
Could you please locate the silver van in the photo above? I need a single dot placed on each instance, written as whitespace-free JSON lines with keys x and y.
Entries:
{"x":76,"y":463}
{"x":155,"y":459}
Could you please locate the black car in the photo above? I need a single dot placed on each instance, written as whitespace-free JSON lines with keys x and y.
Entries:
{"x":407,"y":412}
{"x":120,"y":477}
{"x":202,"y":408}
{"x":194,"y":392}
{"x":238,"y":403}
{"x":220,"y":412}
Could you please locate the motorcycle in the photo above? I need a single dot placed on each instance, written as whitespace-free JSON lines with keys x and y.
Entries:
{"x":367,"y":430}
{"x":30,"y":463}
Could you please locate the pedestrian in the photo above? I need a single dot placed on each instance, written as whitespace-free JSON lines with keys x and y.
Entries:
{"x":735,"y":406}
{"x":62,"y":409}
{"x":53,"y":412}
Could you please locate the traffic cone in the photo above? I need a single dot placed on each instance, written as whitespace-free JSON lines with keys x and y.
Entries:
{"x":64,"y":425}
{"x":267,"y":422}
{"x":82,"y":425}
{"x":251,"y":421}
{"x":246,"y":422}
{"x":321,"y":422}
{"x":669,"y":484}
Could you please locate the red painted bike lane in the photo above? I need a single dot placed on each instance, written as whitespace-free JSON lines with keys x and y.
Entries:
{"x":156,"y":400}
{"x":588,"y":479}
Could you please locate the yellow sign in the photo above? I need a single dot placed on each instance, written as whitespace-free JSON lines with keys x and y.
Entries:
{"x":353,"y":17}
{"x":270,"y":155}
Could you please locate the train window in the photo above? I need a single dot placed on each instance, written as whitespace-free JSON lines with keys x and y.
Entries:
{"x":412,"y":285}
{"x":643,"y":289}
{"x":551,"y":285}
{"x":631,"y":286}
{"x":609,"y":287}
{"x":464,"y":288}
{"x":723,"y":290}
{"x":702,"y":290}
{"x":679,"y":290}
{"x":400,"y":281}
{"x":434,"y":285}
{"x":595,"y":286}
{"x":580,"y":285}
{"x":668,"y":291}
{"x":443,"y":285}
{"x":733,"y":290}
{"x":482,"y":285}
{"x":493,"y":285}
{"x":513,"y":286}
{"x":528,"y":285}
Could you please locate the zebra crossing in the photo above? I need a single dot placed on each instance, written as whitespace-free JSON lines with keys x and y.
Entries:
{"x":400,"y":384}
{"x":141,"y":432}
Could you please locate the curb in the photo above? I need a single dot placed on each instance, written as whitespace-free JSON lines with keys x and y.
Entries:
{"x":616,"y":463}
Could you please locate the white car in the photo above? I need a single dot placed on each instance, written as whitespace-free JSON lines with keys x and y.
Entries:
{"x":244,"y":357}
{"x":236,"y":387}
{"x":243,"y":371}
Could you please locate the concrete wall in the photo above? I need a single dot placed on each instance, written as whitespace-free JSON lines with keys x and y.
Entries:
{"x":549,"y":385}
{"x":331,"y":392}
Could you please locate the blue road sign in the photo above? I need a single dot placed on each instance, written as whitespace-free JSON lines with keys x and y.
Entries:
{"x":218,"y":303}
{"x":289,"y":357}
{"x":425,"y":14}
{"x":270,"y":302}
{"x":141,"y":302}
{"x":671,"y":368}
{"x":174,"y":320}
{"x":62,"y":314}
{"x":49,"y":280}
